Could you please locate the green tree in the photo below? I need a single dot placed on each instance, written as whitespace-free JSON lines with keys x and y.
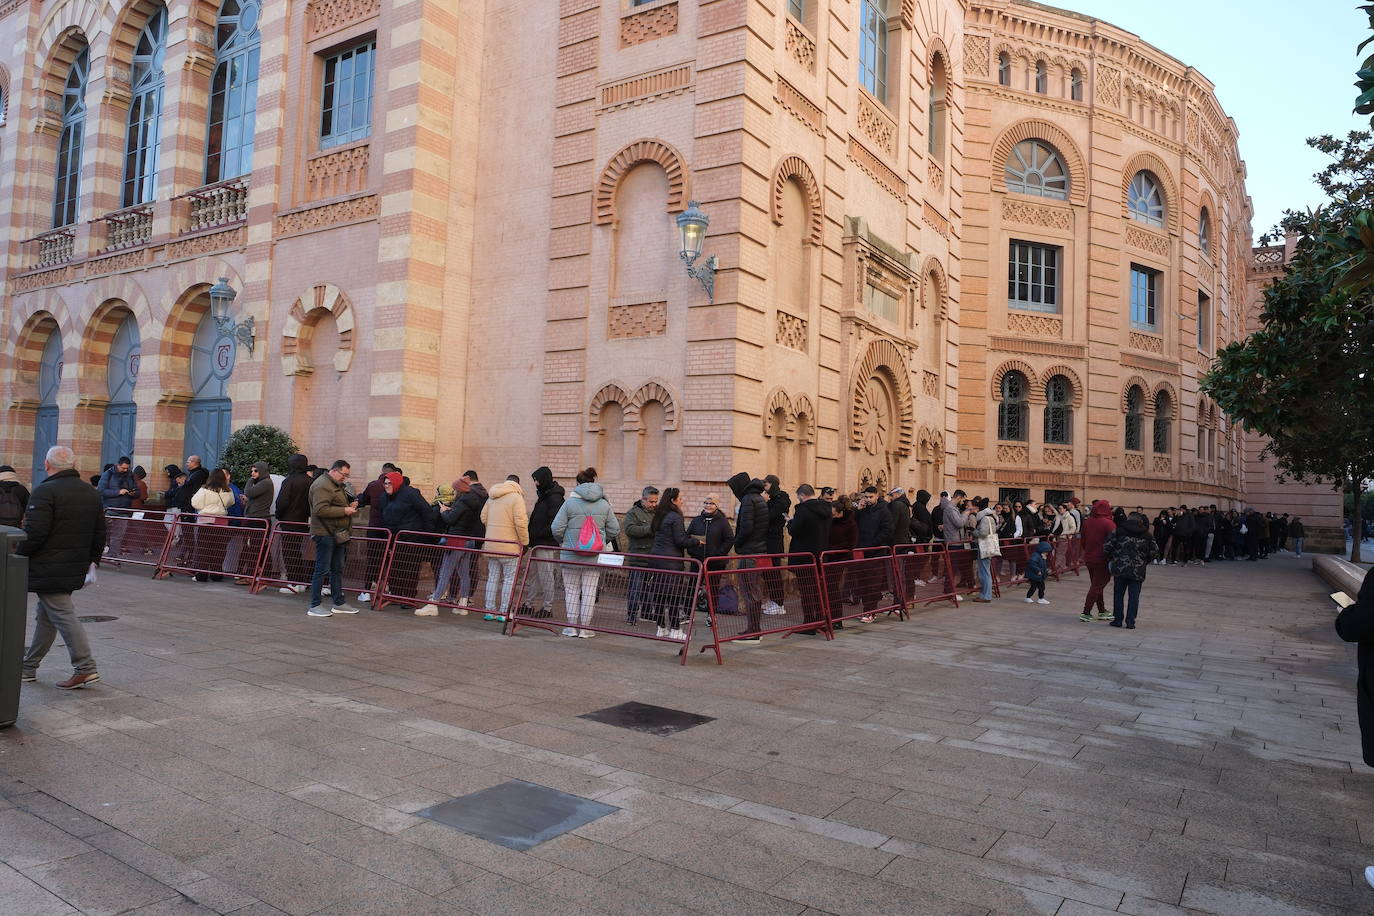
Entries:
{"x":254,"y":443}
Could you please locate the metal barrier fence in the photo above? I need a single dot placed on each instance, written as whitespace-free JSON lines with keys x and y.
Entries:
{"x":289,"y":558}
{"x":1010,"y":567}
{"x":862,"y":583}
{"x":423,"y":568}
{"x":616,"y":593}
{"x":1067,"y":556}
{"x":963,"y":569}
{"x":739,"y":589}
{"x":215,"y":546}
{"x":925,"y":573}
{"x":137,"y":537}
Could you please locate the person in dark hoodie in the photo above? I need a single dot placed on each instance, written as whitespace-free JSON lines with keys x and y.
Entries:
{"x":1129,"y":551}
{"x":1185,"y":528}
{"x":258,"y":493}
{"x":404,"y":508}
{"x":462,"y":520}
{"x":751,"y":537}
{"x":778,"y":504}
{"x":1097,"y":527}
{"x":667,"y":597}
{"x":900,"y":509}
{"x":810,"y":530}
{"x":1037,"y":571}
{"x":293,"y":505}
{"x":549,"y":497}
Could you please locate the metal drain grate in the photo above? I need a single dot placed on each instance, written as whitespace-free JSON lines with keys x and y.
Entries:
{"x":517,"y":814}
{"x":642,"y":717}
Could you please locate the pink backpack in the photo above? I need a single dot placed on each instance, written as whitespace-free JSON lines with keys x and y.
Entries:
{"x":589,"y":536}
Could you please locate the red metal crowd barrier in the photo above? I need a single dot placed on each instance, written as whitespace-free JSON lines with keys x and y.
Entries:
{"x":925,"y":574}
{"x":615,"y":593}
{"x":214,"y":545}
{"x":446,"y":571}
{"x":1067,"y":556}
{"x":962,"y":568}
{"x":861,"y":583}
{"x":137,"y":537}
{"x":289,"y":558}
{"x":1010,"y":567}
{"x":742,"y":604}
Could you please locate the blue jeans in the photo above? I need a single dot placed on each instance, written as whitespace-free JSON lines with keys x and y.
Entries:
{"x":985,"y":577}
{"x":1297,"y":546}
{"x":329,"y":557}
{"x":1121,"y":588}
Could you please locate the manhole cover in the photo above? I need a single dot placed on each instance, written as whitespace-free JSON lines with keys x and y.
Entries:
{"x":96,"y":618}
{"x":517,"y":814}
{"x":642,"y":717}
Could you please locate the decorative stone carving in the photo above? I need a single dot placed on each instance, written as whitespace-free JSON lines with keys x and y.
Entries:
{"x":1146,"y":240}
{"x":647,"y":87}
{"x":1135,"y":462}
{"x":607,"y":394}
{"x":324,"y":16}
{"x":651,"y":391}
{"x":937,"y":177}
{"x":930,"y":384}
{"x":1163,"y":464}
{"x":1108,"y":87}
{"x":298,"y":328}
{"x":337,"y":173}
{"x":977,"y":55}
{"x":125,"y":260}
{"x":799,"y":106}
{"x":794,"y":168}
{"x":645,"y":319}
{"x":28,"y":282}
{"x":1150,"y":343}
{"x":877,"y":125}
{"x":628,"y":158}
{"x":792,"y":332}
{"x":1059,"y":457}
{"x":1034,"y":325}
{"x":196,"y":245}
{"x":871,"y":165}
{"x":934,"y":219}
{"x":1013,"y":454}
{"x":882,"y":357}
{"x":1056,"y":136}
{"x":658,"y":22}
{"x":345,"y":211}
{"x":778,"y":403}
{"x":800,"y":46}
{"x":1029,"y":214}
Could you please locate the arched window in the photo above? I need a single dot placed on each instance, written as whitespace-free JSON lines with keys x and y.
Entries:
{"x":67,"y":190}
{"x":1076,"y":85}
{"x":610,"y":446}
{"x":1042,"y":77}
{"x":1164,"y":415}
{"x":1058,"y":411}
{"x":233,"y":92}
{"x":1012,"y":411}
{"x":145,"y":111}
{"x":936,"y":127}
{"x":873,"y":47}
{"x":1035,"y":167}
{"x":1204,"y":232}
{"x":1004,"y":69}
{"x":1135,"y":419}
{"x":1145,"y":200}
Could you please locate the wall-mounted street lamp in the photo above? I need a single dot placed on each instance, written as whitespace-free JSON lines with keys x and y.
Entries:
{"x":692,"y":223}
{"x":222,"y":296}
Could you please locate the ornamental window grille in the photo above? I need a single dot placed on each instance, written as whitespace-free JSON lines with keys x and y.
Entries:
{"x":233,"y":91}
{"x":873,"y":47}
{"x":1144,"y":296}
{"x":1004,"y":69}
{"x":1135,"y":419}
{"x":1163,"y":423}
{"x":1013,"y":408}
{"x":1145,"y":200}
{"x":346,"y":113}
{"x":1033,"y":276}
{"x":67,"y":186}
{"x":1058,"y":411}
{"x":1034,"y":167}
{"x":1042,"y":77}
{"x":145,"y":111}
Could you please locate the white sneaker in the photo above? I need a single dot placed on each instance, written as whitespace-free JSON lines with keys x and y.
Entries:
{"x":569,"y":631}
{"x":772,"y":608}
{"x":1369,"y":875}
{"x":585,"y":634}
{"x":318,"y":611}
{"x":461,"y":611}
{"x":325,"y":591}
{"x":300,"y":589}
{"x":1040,"y":601}
{"x":344,"y":609}
{"x":428,"y":610}
{"x":1030,"y":600}
{"x":677,"y":634}
{"x":661,"y":631}
{"x":920,"y":582}
{"x":365,"y":597}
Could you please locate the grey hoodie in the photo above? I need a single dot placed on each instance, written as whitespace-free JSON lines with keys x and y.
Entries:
{"x":259,"y":493}
{"x":587,"y":500}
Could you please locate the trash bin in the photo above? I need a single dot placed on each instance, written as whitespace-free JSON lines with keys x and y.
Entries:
{"x":14,"y":586}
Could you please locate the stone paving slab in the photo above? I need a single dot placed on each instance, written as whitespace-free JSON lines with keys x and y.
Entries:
{"x":239,"y":757}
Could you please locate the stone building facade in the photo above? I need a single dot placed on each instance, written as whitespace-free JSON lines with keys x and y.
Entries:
{"x":452,"y":225}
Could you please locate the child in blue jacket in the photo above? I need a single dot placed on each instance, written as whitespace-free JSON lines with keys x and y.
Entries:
{"x":1037,"y":570}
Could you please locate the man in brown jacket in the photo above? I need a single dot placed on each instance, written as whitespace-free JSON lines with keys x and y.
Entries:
{"x":332,"y":507}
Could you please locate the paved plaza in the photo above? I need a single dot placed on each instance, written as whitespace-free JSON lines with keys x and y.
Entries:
{"x":241,"y":757}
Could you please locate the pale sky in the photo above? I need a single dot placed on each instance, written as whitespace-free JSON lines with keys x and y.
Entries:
{"x":1283,"y":69}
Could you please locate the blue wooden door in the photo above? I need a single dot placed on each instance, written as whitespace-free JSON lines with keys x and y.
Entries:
{"x":209,"y":414}
{"x":45,"y":423}
{"x":121,"y":375}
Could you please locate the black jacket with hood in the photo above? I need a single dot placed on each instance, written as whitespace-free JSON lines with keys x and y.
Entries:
{"x":548,"y":500}
{"x":293,"y":499}
{"x":875,"y":525}
{"x":900,"y":509}
{"x":922,"y":525}
{"x":778,"y":504}
{"x":715,"y":530}
{"x":751,"y":525}
{"x":1129,"y":550}
{"x":259,"y":492}
{"x":810,"y":527}
{"x":464,"y":517}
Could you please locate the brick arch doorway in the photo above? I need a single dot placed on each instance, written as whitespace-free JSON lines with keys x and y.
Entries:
{"x":121,"y":413}
{"x":50,"y":366}
{"x":210,"y":412}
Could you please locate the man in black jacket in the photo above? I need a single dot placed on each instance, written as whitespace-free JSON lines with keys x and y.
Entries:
{"x":810,"y":530}
{"x":549,"y":496}
{"x":463,"y":520}
{"x":900,"y":509}
{"x":778,"y":504}
{"x":875,"y":530}
{"x":65,"y":524}
{"x":196,"y":476}
{"x":751,"y":537}
{"x":293,"y":505}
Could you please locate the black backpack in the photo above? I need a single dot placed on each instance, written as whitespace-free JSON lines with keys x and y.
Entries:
{"x":11,"y":504}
